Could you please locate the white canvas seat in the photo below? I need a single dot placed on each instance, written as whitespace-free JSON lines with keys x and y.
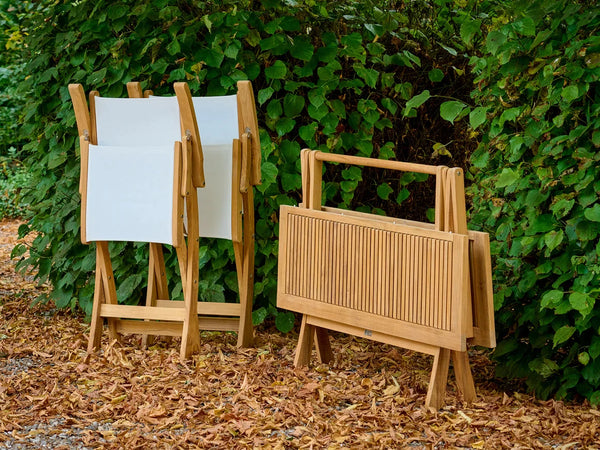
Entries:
{"x":136,"y":172}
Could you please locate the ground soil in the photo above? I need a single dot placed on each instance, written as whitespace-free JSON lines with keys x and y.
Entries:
{"x":53,"y":395}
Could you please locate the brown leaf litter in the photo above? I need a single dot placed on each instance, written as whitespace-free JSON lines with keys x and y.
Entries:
{"x":371,"y":396}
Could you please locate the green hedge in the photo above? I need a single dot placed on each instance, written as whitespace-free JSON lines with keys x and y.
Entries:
{"x":327,"y":75}
{"x":536,"y":191}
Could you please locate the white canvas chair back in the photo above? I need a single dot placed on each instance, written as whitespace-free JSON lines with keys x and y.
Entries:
{"x":131,"y":171}
{"x":137,"y":122}
{"x":217,"y":119}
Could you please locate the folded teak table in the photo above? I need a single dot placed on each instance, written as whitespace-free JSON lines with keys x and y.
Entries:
{"x":421,"y":286}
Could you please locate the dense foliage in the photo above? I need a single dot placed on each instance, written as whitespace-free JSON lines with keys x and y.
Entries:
{"x":373,"y":78}
{"x":326,"y":75}
{"x":13,"y":174}
{"x":536,"y":191}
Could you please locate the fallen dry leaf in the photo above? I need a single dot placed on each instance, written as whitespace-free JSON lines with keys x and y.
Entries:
{"x":372,"y":396}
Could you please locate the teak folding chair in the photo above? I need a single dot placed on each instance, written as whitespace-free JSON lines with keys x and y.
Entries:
{"x":230,"y":153}
{"x":136,"y":173}
{"x":425,"y":287}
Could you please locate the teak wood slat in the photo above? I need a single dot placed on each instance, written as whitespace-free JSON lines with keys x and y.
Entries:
{"x":426,"y":287}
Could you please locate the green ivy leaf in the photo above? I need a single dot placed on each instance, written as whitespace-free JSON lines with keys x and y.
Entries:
{"x":259,"y":315}
{"x":583,"y":358}
{"x":116,"y":11}
{"x":478,"y":116}
{"x":56,"y":159}
{"x":317,"y":113}
{"x":525,"y":26}
{"x":468,"y":29}
{"x":596,"y":138}
{"x":369,"y":75}
{"x":402,"y":195}
{"x":274,"y":109}
{"x":451,"y":110}
{"x":352,"y":173}
{"x":553,"y":239}
{"x":593,"y":213}
{"x":307,"y":132}
{"x":435,"y":75}
{"x":541,"y":224}
{"x":390,"y":105}
{"x":507,"y":178}
{"x":269,"y":172}
{"x":494,"y":40}
{"x":127,"y":287}
{"x":563,"y":334}
{"x":291,"y":181}
{"x":160,"y":66}
{"x":284,"y":321}
{"x":586,"y":231}
{"x":277,"y":71}
{"x":302,"y":48}
{"x":544,"y":366}
{"x":284,"y":125}
{"x":384,"y":190}
{"x":174,"y":48}
{"x":551,"y":298}
{"x":62,"y":297}
{"x":595,"y":398}
{"x":570,"y":93}
{"x":581,"y":302}
{"x":418,"y":100}
{"x":233,"y":49}
{"x":562,"y":207}
{"x":265,"y":94}
{"x":293,"y":105}
{"x":96,"y":77}
{"x":594,"y":349}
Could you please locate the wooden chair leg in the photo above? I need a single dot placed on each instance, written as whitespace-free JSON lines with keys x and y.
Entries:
{"x":108,"y":283}
{"x":190,"y":338}
{"x":323,"y":345}
{"x":190,"y":335}
{"x":157,"y":283}
{"x":463,"y":375}
{"x":305,"y":344}
{"x":96,"y":324}
{"x":104,"y":292}
{"x":246,"y":272}
{"x":245,"y":332}
{"x":439,"y":379}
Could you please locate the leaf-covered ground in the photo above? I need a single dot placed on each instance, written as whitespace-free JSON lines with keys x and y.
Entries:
{"x":52,"y":396}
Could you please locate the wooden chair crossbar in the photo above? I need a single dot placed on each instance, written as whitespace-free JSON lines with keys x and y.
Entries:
{"x":425,"y":287}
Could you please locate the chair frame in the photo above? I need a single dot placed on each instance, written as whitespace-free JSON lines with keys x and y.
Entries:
{"x":246,"y":173}
{"x":472,"y":314}
{"x":152,"y":318}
